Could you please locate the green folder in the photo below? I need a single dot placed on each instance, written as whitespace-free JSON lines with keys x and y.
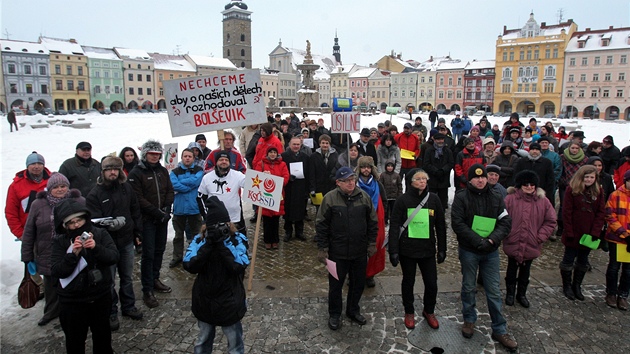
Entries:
{"x":483,"y":225}
{"x":419,"y":226}
{"x":588,"y":241}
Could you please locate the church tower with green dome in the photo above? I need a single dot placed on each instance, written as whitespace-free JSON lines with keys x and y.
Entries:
{"x":237,"y":34}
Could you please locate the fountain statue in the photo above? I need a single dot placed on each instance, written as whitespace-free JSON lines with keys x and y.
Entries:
{"x":308,"y":96}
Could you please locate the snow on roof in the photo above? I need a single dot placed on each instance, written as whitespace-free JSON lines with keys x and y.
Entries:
{"x":135,"y":54}
{"x":403,"y":63}
{"x":324,"y":62}
{"x":171,"y":62}
{"x":321,"y":74}
{"x":618,"y":40}
{"x":452,"y":65}
{"x":480,"y":64}
{"x":100,"y":53}
{"x":433,"y":63}
{"x":364,"y":72}
{"x":63,"y":46}
{"x":202,"y":60}
{"x":546,"y":31}
{"x":7,"y":45}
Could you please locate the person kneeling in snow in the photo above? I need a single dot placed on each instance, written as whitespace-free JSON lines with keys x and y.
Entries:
{"x":219,"y":258}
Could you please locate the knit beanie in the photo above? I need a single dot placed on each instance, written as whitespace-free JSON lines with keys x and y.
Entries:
{"x":477,"y":170}
{"x":200,"y":137}
{"x":221,"y":154}
{"x":153,"y":146}
{"x":216,"y":211}
{"x":55,"y":180}
{"x":524,"y":177}
{"x":34,"y":157}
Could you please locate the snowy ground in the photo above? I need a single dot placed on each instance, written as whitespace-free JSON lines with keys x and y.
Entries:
{"x":111,"y":133}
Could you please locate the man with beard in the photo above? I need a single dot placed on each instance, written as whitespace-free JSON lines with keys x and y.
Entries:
{"x":227,"y":184}
{"x":368,"y":181}
{"x":438,"y":162}
{"x":153,"y":188}
{"x":114,"y":199}
{"x":296,"y":191}
{"x":81,"y":170}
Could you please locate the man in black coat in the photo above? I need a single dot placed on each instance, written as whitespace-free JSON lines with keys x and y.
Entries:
{"x":367,"y":148}
{"x":322,"y":166}
{"x":542,"y":166}
{"x":219,"y":258}
{"x":114,"y":199}
{"x":296,"y":191}
{"x":81,"y":170}
{"x":438,"y":162}
{"x":610,"y":154}
{"x":433,"y":117}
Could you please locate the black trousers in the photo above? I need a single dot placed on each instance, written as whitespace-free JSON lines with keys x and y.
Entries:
{"x":522,"y":269}
{"x":299,"y":227}
{"x":271,"y":228}
{"x":443,"y":195}
{"x":77,"y":317}
{"x":355,"y":269}
{"x":428,"y":268}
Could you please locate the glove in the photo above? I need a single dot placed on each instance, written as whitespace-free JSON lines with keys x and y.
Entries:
{"x":167,"y":209}
{"x":292,"y":178}
{"x":485,"y":246}
{"x":32,"y":267}
{"x":322,"y":254}
{"x":393,"y":259}
{"x":165,"y":217}
{"x":441,"y":256}
{"x":371,"y":250}
{"x":115,"y":224}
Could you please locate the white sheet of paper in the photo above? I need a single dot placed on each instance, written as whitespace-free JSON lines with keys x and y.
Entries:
{"x":308,"y":142}
{"x":80,"y":266}
{"x":296,"y":169}
{"x":332,"y":268}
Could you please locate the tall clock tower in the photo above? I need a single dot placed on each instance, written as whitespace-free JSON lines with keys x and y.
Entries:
{"x":237,"y":34}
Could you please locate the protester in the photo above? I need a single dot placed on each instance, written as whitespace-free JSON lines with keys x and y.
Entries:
{"x":618,"y":238}
{"x":583,"y":212}
{"x":81,"y":170}
{"x":346,"y":229}
{"x":415,"y":245}
{"x":237,"y":161}
{"x":296,"y":191}
{"x":392,"y":183}
{"x":610,"y":154}
{"x":38,"y":235}
{"x":478,"y":248}
{"x":274,"y":165}
{"x":438,"y":162}
{"x":201,"y":140}
{"x":84,"y":298}
{"x":219,"y":258}
{"x":322,"y":167}
{"x":533,"y":221}
{"x":153,"y":188}
{"x":466,"y":158}
{"x":130,"y":159}
{"x":572,"y":159}
{"x":507,"y":161}
{"x":541,"y":166}
{"x":388,"y":151}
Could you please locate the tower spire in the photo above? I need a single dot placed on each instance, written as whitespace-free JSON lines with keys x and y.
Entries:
{"x":337,"y":49}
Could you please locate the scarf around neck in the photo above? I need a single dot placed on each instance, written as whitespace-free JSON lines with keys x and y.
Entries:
{"x":371,"y":188}
{"x":574,"y":158}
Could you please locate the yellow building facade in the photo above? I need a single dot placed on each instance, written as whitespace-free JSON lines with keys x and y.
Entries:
{"x":68,"y":74}
{"x":530,"y":67}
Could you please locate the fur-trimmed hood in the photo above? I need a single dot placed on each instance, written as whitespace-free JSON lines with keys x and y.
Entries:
{"x":73,"y":193}
{"x":540,"y":193}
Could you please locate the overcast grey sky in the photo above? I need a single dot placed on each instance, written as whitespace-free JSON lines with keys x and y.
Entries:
{"x":367,"y":30}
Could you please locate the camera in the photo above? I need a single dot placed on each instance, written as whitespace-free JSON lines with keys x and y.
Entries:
{"x":84,"y":236}
{"x":218,"y":232}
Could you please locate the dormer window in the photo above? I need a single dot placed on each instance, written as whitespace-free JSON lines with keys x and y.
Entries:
{"x":605,"y":42}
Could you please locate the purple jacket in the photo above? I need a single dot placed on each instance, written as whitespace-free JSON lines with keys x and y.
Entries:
{"x":533,"y":221}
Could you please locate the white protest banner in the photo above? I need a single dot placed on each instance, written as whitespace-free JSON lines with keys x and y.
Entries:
{"x":263,"y":189}
{"x":170,"y":156}
{"x":209,"y":103}
{"x":345,"y":122}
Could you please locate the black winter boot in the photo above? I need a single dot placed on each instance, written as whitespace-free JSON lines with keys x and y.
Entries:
{"x":578,"y":277}
{"x":566,"y":284}
{"x":520,"y":295}
{"x":509,"y":296}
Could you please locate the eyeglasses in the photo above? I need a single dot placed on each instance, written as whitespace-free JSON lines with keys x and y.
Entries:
{"x":75,"y":222}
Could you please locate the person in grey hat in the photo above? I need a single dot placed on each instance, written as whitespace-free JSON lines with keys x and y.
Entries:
{"x":346,"y":229}
{"x":113,"y":199}
{"x":154,"y":190}
{"x":81,"y":170}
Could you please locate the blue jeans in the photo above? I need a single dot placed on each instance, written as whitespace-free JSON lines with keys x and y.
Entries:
{"x":125,"y":273}
{"x":612,"y":274}
{"x":488,"y":265}
{"x":233,"y":333}
{"x":153,"y":246}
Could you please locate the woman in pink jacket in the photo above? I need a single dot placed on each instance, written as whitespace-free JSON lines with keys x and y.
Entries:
{"x":533,"y":221}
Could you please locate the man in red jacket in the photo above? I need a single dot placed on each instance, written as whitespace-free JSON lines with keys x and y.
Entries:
{"x":22,"y":191}
{"x":408,"y":141}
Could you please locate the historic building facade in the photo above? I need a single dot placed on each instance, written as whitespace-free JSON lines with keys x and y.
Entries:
{"x":169,"y":67}
{"x":530,"y":67}
{"x":106,"y":78}
{"x":138,"y":77}
{"x":237,"y":34}
{"x":450,"y":85}
{"x":479,"y":85}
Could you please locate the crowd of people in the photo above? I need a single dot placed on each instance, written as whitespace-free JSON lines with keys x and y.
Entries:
{"x":386,"y":192}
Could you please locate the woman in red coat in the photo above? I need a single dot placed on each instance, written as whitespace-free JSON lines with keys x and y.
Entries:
{"x":272,"y":163}
{"x":533,"y":221}
{"x":583,"y":213}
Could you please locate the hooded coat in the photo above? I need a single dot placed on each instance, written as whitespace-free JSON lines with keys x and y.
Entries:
{"x":388,"y":154}
{"x":507,"y":164}
{"x":271,"y":140}
{"x":463,"y":161}
{"x":20,"y":195}
{"x":533,"y":221}
{"x":186,"y":181}
{"x":153,"y":189}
